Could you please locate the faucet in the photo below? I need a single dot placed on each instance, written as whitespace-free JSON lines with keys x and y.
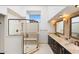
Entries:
{"x":66,"y":38}
{"x":76,"y":43}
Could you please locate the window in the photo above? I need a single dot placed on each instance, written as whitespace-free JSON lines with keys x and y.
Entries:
{"x":35,"y":17}
{"x":59,"y":27}
{"x":75,"y":27}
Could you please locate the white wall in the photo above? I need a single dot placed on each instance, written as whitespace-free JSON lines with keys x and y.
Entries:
{"x":13,"y":44}
{"x":3,"y":10}
{"x":17,"y":9}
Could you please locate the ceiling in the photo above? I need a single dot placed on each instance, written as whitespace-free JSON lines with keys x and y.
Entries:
{"x":69,"y":10}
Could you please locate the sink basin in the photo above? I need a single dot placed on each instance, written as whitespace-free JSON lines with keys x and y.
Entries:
{"x":69,"y":43}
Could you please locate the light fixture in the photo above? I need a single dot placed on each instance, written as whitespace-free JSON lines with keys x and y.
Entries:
{"x":65,"y":17}
{"x":61,"y":16}
{"x":76,"y":6}
{"x":53,"y":22}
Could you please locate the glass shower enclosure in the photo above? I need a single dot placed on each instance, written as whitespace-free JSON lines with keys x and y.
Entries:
{"x":29,"y":30}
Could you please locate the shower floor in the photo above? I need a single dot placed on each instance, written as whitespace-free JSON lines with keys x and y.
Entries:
{"x":43,"y":49}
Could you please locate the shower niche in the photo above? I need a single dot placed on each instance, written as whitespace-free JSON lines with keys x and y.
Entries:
{"x":14,"y":27}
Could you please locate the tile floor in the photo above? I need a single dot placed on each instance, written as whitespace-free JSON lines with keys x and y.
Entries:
{"x":44,"y":49}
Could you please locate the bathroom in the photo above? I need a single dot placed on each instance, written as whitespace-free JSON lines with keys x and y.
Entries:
{"x":46,"y":19}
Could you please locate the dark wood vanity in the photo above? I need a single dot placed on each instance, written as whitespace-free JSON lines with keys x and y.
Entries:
{"x":56,"y":47}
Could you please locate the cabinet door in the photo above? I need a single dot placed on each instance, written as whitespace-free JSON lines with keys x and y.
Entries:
{"x":49,"y":40}
{"x":56,"y":47}
{"x":66,"y":51}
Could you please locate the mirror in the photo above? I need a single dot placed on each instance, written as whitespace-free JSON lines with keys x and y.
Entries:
{"x":60,"y":27}
{"x":75,"y":27}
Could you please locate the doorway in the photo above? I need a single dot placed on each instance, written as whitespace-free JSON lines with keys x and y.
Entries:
{"x":1,"y":34}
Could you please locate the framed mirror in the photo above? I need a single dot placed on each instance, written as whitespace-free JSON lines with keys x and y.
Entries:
{"x":75,"y":27}
{"x":60,"y":27}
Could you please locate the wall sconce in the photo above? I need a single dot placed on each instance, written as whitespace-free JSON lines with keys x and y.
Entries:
{"x":53,"y":22}
{"x":65,"y":17}
{"x":77,"y":6}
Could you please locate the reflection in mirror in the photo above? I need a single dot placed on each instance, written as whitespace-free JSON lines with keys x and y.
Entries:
{"x":75,"y":27}
{"x":59,"y":27}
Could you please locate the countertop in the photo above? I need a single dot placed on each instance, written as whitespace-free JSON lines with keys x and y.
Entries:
{"x":66,"y":44}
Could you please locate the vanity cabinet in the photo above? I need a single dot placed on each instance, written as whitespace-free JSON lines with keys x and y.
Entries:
{"x":56,"y":47}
